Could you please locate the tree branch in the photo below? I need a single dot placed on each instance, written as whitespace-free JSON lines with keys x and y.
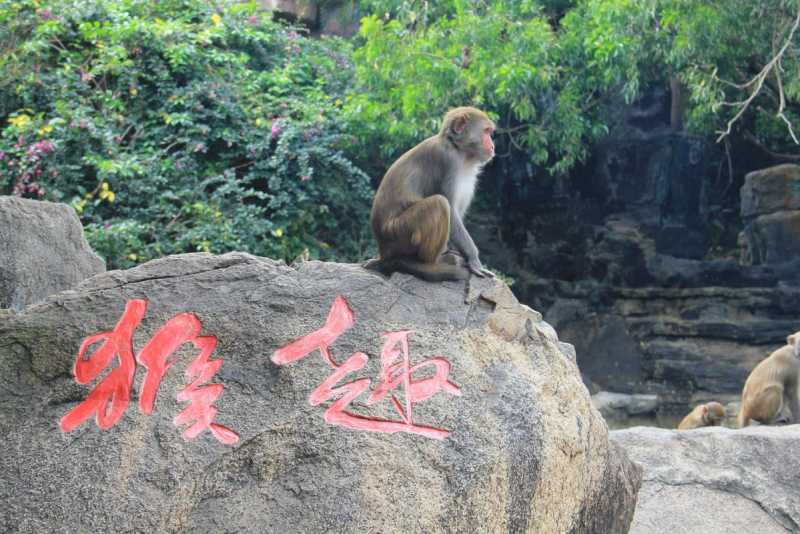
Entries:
{"x":757,"y":83}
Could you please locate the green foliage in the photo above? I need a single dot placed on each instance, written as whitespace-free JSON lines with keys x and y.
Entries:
{"x":178,"y":126}
{"x":554,"y":72}
{"x":501,"y":56}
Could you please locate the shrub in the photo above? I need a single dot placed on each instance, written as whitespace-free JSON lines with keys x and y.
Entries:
{"x":179,"y":126}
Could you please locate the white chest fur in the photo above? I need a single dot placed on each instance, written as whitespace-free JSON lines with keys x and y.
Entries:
{"x":464,"y":188}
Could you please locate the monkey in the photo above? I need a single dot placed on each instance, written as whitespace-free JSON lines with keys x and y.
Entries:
{"x":708,"y":414}
{"x":772,"y":386}
{"x":418,"y":210}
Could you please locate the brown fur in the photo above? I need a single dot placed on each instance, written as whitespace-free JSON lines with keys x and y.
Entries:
{"x":413,"y":214}
{"x":772,"y":386}
{"x":709,"y":414}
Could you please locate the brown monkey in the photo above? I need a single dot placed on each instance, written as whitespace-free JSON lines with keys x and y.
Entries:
{"x":421,"y":201}
{"x":772,"y":385}
{"x":708,"y":414}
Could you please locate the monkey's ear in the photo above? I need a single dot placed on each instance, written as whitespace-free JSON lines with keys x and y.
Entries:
{"x":791,"y":340}
{"x":459,"y":124}
{"x":705,"y":409}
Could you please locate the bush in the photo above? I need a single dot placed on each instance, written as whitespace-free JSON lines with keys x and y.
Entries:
{"x":179,"y":126}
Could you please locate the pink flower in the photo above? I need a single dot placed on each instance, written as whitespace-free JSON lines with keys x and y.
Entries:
{"x":45,"y":14}
{"x":276,"y":128}
{"x":253,"y":19}
{"x":42,"y":147}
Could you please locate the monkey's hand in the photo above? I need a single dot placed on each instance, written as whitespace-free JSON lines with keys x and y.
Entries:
{"x":475,"y":267}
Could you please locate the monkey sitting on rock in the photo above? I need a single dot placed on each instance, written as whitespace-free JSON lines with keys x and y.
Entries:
{"x":708,"y":414}
{"x":772,"y":386}
{"x":420,"y":204}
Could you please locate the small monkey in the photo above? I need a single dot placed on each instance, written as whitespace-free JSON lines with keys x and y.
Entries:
{"x":420,"y":204}
{"x":708,"y":414}
{"x":772,"y":385}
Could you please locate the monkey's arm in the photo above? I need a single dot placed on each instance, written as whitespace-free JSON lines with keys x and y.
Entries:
{"x":463,"y":242}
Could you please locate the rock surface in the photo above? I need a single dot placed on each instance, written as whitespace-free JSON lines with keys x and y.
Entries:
{"x":769,"y":190}
{"x":638,"y":256}
{"x":621,"y":405}
{"x":526,"y":452}
{"x":42,"y":251}
{"x":770,"y":207}
{"x":650,"y":323}
{"x":716,"y":480}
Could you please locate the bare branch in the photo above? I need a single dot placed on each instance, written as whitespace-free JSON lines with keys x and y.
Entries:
{"x":758,"y":82}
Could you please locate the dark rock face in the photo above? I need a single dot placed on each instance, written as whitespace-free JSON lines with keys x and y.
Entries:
{"x":716,"y":480}
{"x":42,"y":251}
{"x":642,"y":260}
{"x":497,"y":432}
{"x":680,"y":328}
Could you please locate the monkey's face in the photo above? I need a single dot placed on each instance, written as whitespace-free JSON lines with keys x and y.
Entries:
{"x":486,"y":141}
{"x":477,"y":140}
{"x":471,"y":131}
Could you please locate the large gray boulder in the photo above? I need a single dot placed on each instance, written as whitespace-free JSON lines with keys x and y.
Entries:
{"x":499,"y":432}
{"x":716,"y":480}
{"x":42,"y":251}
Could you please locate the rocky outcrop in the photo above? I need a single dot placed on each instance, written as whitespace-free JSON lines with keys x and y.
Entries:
{"x":621,"y":406}
{"x":42,"y":251}
{"x":685,"y":330}
{"x":771,"y":210}
{"x":621,"y":264}
{"x":716,"y":480}
{"x":770,"y":190}
{"x":286,"y":406}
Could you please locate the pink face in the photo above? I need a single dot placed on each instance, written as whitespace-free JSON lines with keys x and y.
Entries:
{"x":486,"y":140}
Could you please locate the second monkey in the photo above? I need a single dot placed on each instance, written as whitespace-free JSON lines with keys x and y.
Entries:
{"x":420,"y":204}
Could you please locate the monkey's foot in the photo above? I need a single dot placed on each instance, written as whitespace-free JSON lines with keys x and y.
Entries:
{"x":376,"y":265}
{"x":452,"y":258}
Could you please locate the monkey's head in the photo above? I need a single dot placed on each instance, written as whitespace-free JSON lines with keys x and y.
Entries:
{"x":713,"y":413}
{"x":470,"y":131}
{"x":794,"y":342}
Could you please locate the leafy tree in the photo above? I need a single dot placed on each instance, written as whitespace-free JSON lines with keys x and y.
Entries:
{"x":180,"y":125}
{"x":555,"y":72}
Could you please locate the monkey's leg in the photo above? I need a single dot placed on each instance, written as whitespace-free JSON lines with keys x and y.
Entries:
{"x":414,"y":241}
{"x":767,"y":406}
{"x":420,"y":231}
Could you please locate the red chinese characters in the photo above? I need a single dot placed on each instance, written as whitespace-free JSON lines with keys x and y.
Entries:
{"x":396,"y":371}
{"x":111,"y":396}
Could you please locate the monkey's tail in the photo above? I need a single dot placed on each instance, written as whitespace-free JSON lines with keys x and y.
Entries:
{"x":432,"y":272}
